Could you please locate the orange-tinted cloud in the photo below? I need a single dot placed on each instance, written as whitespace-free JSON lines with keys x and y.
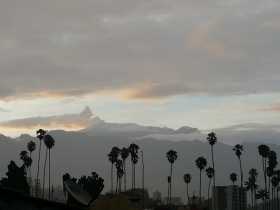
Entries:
{"x":272,"y":108}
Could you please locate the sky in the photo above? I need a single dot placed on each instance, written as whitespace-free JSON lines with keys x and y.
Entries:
{"x":206,"y":64}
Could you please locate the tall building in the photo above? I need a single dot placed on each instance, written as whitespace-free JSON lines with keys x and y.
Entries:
{"x":228,"y":197}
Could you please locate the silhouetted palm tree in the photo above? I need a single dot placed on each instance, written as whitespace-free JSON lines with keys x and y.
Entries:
{"x":113,"y":157}
{"x":275,"y":184}
{"x":187,"y":180}
{"x":233,"y":178}
{"x":264,"y":152}
{"x":201,"y":163}
{"x":31,"y":146}
{"x":49,"y":142}
{"x":120,"y":173}
{"x":212,"y":139}
{"x":40,"y":135}
{"x":133,"y":150}
{"x":210,"y":174}
{"x":171,"y":157}
{"x":238,"y":149}
{"x":251,"y":185}
{"x":124,"y":156}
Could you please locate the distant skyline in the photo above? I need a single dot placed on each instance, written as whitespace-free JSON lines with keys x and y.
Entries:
{"x":163,"y":63}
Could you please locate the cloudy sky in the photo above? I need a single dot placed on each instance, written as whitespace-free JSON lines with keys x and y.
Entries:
{"x":200,"y":63}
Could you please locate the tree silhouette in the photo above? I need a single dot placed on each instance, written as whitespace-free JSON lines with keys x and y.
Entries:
{"x":238,"y":149}
{"x":49,"y":143}
{"x":124,"y":156}
{"x":233,"y":178}
{"x":187,"y":180}
{"x":264,"y":152}
{"x":120,"y":173}
{"x":133,"y":150}
{"x":31,"y":146}
{"x":40,"y":135}
{"x":16,"y":178}
{"x":113,"y":157}
{"x":275,"y":184}
{"x":171,"y":157}
{"x":210,"y":174}
{"x":201,"y":163}
{"x":251,"y":185}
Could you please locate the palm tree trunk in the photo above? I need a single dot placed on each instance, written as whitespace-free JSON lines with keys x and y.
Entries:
{"x":132,"y":175}
{"x":214,"y":177}
{"x":171,"y":173}
{"x":44,"y":174}
{"x":208,"y":194}
{"x":188,"y":197}
{"x":277,"y":194}
{"x":38,"y":171}
{"x":124,"y":167}
{"x":252,"y":199}
{"x":112,"y":178}
{"x":241,"y":185}
{"x":49,"y":174}
{"x":200,"y":187}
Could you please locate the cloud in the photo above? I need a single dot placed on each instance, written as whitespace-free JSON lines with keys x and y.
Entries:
{"x":3,"y":110}
{"x":72,"y":49}
{"x":272,"y":108}
{"x":66,"y":121}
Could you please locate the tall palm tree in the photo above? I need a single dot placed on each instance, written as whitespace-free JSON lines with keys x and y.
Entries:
{"x":201,"y":163}
{"x":251,"y":185}
{"x":40,"y":135}
{"x":31,"y":146}
{"x":113,"y":157}
{"x":171,"y":157}
{"x":120,"y":173}
{"x":233,"y":178}
{"x":210,"y":174}
{"x":124,"y":156}
{"x":133,"y":150}
{"x":264,"y":152}
{"x":212,"y":140}
{"x":238,"y":149}
{"x":187,"y":180}
{"x":49,"y":142}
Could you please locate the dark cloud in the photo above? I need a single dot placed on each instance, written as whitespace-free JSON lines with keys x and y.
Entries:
{"x":73,"y":48}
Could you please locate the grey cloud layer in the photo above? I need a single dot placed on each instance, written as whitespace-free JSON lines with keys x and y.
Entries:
{"x":73,"y":47}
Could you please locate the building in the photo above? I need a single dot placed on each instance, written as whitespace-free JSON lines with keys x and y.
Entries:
{"x":228,"y":197}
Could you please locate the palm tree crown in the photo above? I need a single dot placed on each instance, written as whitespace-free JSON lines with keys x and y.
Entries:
{"x":201,"y":163}
{"x":210,"y":172}
{"x":49,"y":141}
{"x":211,"y":138}
{"x":233,"y":177}
{"x":187,"y":178}
{"x":171,"y":156}
{"x":31,"y":146}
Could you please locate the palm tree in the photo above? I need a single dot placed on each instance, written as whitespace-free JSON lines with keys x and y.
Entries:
{"x":23,"y":154}
{"x":187,"y":180}
{"x":113,"y":157}
{"x":212,"y":139}
{"x":275,"y":184}
{"x":238,"y":149}
{"x":264,"y":152}
{"x":201,"y":163}
{"x":210,"y":174}
{"x":171,"y":157}
{"x":233,"y":178}
{"x":124,"y":156}
{"x":40,"y":135}
{"x":120,"y":173}
{"x":31,"y":146}
{"x":133,"y":150}
{"x":49,"y":142}
{"x":251,"y":185}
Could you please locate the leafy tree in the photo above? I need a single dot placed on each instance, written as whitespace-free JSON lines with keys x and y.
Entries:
{"x":16,"y":178}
